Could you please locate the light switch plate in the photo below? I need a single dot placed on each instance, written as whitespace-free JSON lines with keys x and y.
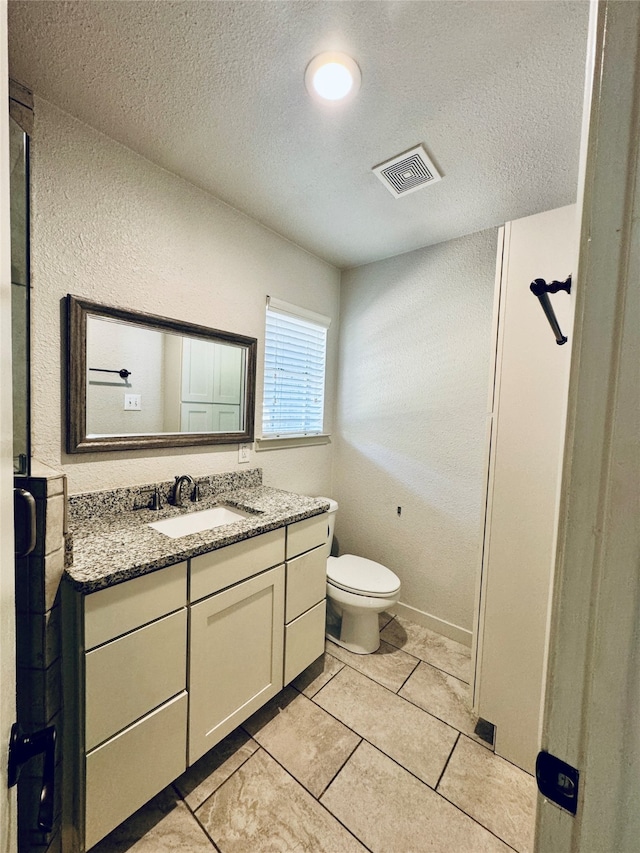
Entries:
{"x":132,"y":402}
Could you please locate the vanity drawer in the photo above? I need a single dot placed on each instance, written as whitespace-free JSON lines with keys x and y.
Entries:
{"x":303,"y":641}
{"x":306,"y":534}
{"x":129,"y":769}
{"x":112,"y":612}
{"x":306,"y":582}
{"x":130,"y":676}
{"x":222,"y":568}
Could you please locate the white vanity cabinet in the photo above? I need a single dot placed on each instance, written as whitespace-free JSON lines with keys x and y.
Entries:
{"x":160,"y":668}
{"x":128,"y":710}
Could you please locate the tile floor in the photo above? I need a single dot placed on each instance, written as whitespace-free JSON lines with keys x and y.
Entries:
{"x":360,"y":753}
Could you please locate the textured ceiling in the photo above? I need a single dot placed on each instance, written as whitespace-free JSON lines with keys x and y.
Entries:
{"x":213,"y":91}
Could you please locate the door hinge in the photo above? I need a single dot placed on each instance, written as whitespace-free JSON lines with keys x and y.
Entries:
{"x":557,"y":781}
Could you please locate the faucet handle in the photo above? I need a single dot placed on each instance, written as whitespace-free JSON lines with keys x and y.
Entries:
{"x":154,"y":500}
{"x":195,"y":494}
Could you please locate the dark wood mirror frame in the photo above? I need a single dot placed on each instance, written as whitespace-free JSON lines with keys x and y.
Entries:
{"x":78,"y":441}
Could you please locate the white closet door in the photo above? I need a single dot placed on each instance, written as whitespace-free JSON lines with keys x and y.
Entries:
{"x":526,"y":457}
{"x":197,"y":417}
{"x":197,"y":370}
{"x":228,"y":364}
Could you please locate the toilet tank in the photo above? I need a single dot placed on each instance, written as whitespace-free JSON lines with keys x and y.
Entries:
{"x":331,"y":521}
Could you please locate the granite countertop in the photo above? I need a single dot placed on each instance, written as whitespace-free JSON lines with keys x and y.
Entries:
{"x":118,"y":546}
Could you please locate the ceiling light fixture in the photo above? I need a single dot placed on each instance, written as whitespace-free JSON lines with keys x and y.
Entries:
{"x":332,"y":77}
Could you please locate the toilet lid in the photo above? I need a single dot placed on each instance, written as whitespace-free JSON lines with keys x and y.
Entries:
{"x":359,"y":575}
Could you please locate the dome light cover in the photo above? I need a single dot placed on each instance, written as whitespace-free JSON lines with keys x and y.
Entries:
{"x":332,"y":77}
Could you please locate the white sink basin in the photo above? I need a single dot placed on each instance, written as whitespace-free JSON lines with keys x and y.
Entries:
{"x":196,"y":522}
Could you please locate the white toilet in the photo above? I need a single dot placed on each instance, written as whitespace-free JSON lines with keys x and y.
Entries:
{"x":357,"y":590}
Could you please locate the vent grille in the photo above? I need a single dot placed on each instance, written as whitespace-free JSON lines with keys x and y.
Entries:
{"x":407,"y":172}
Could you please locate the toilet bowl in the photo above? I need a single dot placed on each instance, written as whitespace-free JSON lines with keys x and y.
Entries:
{"x":357,"y":590}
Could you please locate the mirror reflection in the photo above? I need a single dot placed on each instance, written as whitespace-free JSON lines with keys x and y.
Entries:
{"x":142,"y":380}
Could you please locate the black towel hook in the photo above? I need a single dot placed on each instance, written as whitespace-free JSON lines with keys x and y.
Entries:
{"x":541,"y":289}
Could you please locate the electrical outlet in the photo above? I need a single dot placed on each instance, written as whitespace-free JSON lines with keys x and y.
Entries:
{"x":132,"y":402}
{"x":243,"y":452}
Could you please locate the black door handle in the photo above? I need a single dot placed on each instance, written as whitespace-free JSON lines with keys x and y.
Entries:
{"x":23,"y":747}
{"x":26,"y":542}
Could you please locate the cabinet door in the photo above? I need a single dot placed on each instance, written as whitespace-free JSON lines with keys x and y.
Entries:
{"x":236,"y":641}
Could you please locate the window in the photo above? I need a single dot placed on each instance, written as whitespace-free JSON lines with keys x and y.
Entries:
{"x":294,"y":368}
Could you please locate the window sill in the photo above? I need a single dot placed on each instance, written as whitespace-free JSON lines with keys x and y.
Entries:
{"x":286,"y":442}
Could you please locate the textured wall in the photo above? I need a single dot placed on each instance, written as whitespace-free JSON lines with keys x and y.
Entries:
{"x":112,"y":227}
{"x":413,"y":386}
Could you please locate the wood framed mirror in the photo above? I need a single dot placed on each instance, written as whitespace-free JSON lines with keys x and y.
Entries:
{"x":138,"y":380}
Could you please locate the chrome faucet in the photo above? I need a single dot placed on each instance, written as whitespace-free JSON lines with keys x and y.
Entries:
{"x":176,"y":494}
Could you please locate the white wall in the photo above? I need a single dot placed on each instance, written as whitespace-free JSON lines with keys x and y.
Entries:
{"x":413,"y":386}
{"x":112,"y":227}
{"x":112,"y":346}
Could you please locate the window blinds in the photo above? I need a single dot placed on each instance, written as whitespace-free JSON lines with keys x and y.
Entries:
{"x":294,"y":370}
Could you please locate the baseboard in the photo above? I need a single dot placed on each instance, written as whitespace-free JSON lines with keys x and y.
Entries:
{"x":440,"y":626}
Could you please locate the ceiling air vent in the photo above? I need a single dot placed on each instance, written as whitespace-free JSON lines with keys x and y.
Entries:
{"x":407,"y":172}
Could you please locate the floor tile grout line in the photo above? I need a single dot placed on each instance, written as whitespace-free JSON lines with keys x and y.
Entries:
{"x":446,"y":764}
{"x":444,"y":672}
{"x":335,"y":817}
{"x":475,"y":820}
{"x":471,"y":817}
{"x":324,"y":685}
{"x":418,"y":662}
{"x":342,"y":766}
{"x":206,"y":833}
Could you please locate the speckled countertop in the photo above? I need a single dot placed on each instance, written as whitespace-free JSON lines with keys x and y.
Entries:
{"x":114,"y":546}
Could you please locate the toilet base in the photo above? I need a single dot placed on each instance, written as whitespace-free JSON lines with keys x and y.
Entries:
{"x":358,"y":633}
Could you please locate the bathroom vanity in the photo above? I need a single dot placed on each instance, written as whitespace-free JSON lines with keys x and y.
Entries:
{"x":163,"y":661}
